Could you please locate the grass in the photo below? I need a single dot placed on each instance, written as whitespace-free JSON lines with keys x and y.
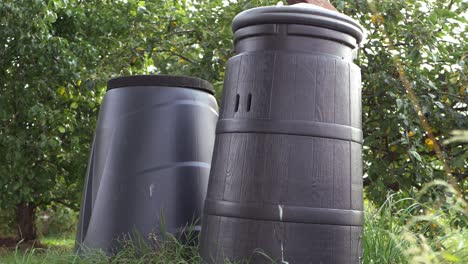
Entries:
{"x":61,"y":251}
{"x":59,"y":242}
{"x":167,"y":249}
{"x":400,"y":231}
{"x":418,"y":233}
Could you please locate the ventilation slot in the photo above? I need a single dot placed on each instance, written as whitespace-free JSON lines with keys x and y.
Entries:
{"x":249,"y":102}
{"x":236,"y":107}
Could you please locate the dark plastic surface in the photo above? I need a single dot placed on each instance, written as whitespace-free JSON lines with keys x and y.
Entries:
{"x":150,"y":158}
{"x":286,"y":175}
{"x":162,"y":81}
{"x":302,"y":14}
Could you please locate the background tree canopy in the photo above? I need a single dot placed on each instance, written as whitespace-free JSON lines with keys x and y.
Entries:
{"x":56,"y":55}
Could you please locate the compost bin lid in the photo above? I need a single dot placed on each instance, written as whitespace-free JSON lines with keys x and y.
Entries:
{"x":305,"y":14}
{"x":161,"y":80}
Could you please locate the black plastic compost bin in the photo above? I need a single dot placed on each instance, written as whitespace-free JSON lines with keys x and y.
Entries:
{"x":286,"y":176}
{"x":150,"y":159}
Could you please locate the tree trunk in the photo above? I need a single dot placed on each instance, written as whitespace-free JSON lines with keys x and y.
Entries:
{"x":25,"y":221}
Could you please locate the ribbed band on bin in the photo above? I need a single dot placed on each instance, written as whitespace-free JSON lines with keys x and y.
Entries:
{"x":160,"y":80}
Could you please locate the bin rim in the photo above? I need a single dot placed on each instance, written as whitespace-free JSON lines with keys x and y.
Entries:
{"x":158,"y":80}
{"x":304,"y":14}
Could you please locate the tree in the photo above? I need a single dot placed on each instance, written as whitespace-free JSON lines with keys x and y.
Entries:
{"x":414,"y":77}
{"x":416,"y":43}
{"x":412,"y":62}
{"x":55,"y":58}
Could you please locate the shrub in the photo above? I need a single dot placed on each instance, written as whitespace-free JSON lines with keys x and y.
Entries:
{"x":57,"y":220}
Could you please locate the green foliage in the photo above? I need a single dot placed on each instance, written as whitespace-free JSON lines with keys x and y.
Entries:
{"x":57,"y":221}
{"x":54,"y":56}
{"x":57,"y":55}
{"x":186,"y":37}
{"x":6,"y":222}
{"x":458,"y":136}
{"x":408,"y":231}
{"x":413,"y":47}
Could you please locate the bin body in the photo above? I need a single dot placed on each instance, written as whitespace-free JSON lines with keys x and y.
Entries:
{"x":286,"y":176}
{"x":150,"y":159}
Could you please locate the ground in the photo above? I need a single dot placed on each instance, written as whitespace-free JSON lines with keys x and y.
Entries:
{"x":48,"y":250}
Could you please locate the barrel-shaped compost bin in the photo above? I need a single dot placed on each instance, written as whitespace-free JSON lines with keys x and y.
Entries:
{"x":286,"y":177}
{"x":150,"y":160}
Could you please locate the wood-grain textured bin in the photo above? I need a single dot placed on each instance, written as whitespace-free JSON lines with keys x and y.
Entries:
{"x":286,"y":177}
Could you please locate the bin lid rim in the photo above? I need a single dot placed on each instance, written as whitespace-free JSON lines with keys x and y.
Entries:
{"x":299,"y":14}
{"x":161,"y":80}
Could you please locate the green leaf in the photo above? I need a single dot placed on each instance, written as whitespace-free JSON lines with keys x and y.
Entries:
{"x":415,"y":155}
{"x":61,"y":129}
{"x":16,"y":185}
{"x":399,"y":103}
{"x":451,"y":257}
{"x":439,"y":104}
{"x":74,"y":105}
